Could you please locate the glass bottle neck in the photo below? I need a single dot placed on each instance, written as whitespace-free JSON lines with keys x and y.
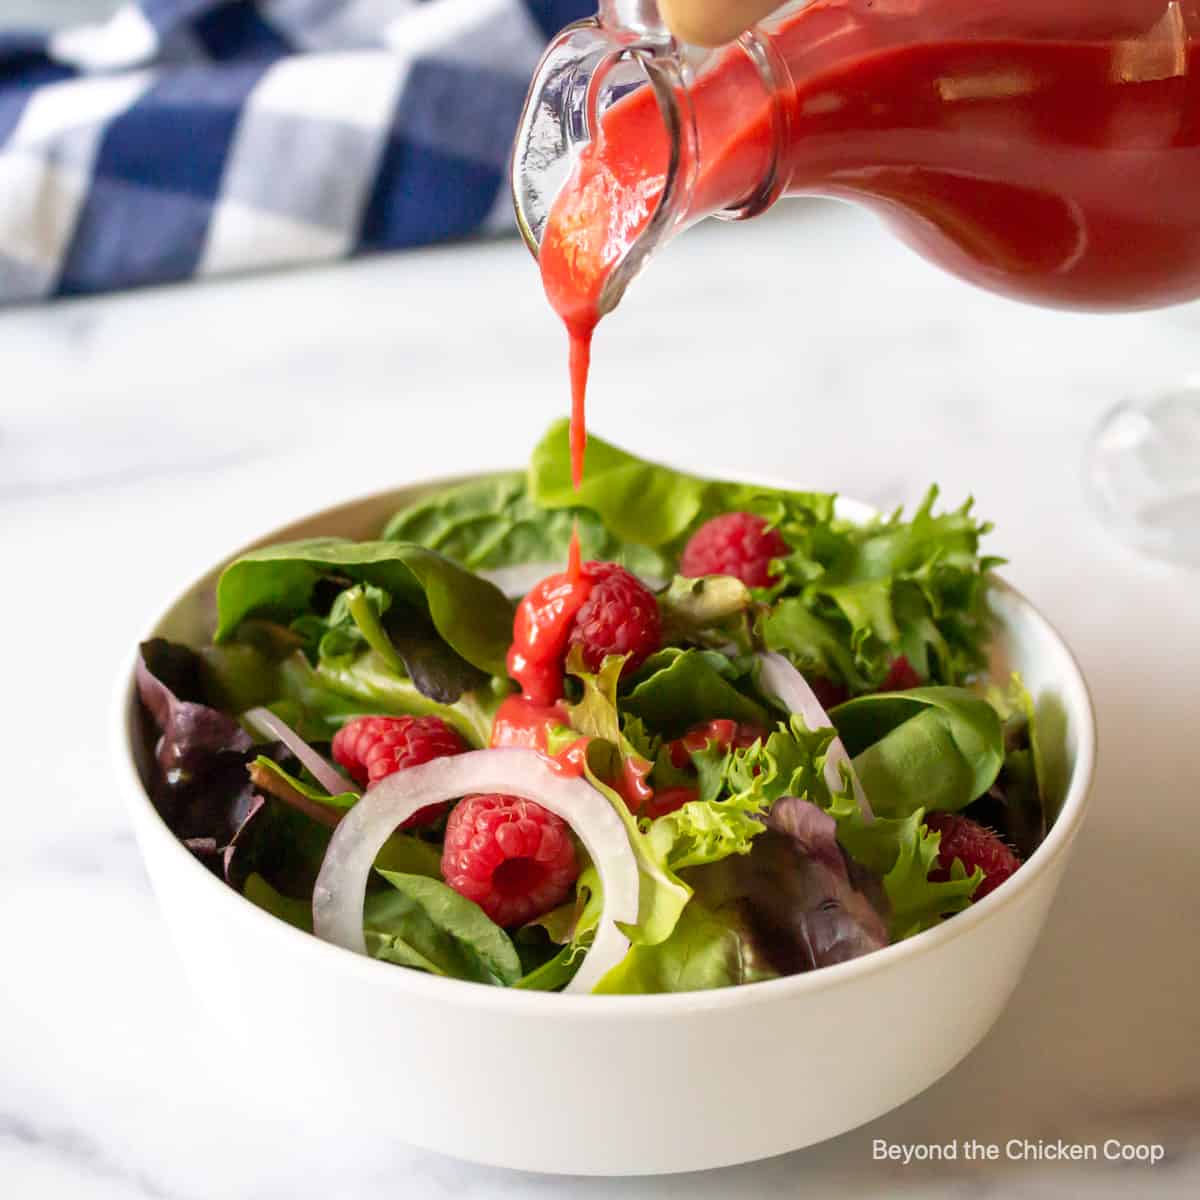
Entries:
{"x":628,"y":111}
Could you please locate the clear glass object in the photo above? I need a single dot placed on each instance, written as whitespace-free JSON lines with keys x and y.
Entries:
{"x":1143,"y":473}
{"x":1048,"y":150}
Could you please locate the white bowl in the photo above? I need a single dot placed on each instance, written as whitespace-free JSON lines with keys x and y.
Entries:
{"x":609,"y":1084}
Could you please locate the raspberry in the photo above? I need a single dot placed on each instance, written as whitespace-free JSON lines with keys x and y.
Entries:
{"x":620,"y":616}
{"x":735,"y":543}
{"x":901,"y":676}
{"x":372,"y":748}
{"x":828,"y":693}
{"x":511,"y":856}
{"x":974,"y":846}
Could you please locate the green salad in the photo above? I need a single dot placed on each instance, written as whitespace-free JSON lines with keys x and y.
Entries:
{"x":723,"y":736}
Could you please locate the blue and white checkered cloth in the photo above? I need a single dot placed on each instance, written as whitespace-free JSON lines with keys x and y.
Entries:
{"x":186,"y":138}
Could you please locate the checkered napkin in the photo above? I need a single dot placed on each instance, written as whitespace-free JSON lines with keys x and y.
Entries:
{"x":193,"y":137}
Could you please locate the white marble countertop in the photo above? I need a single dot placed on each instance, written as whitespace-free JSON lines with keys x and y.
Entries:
{"x":143,"y":436}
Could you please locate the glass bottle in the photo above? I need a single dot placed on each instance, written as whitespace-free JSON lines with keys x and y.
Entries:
{"x":1045,"y":149}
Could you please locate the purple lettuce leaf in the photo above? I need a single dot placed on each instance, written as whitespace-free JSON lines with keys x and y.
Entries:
{"x":194,"y":761}
{"x":170,"y":682}
{"x":803,"y":904}
{"x":827,"y":909}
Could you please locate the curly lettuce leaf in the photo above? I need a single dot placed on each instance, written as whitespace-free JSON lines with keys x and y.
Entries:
{"x":902,"y":851}
{"x":913,"y":587}
{"x":471,"y":615}
{"x":931,"y":748}
{"x":790,"y":762}
{"x":493,"y":522}
{"x":353,"y":623}
{"x":705,"y":831}
{"x":899,"y":851}
{"x":596,"y":713}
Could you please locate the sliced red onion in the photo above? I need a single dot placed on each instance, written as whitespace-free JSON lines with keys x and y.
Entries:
{"x":342,"y":882}
{"x":785,"y":684}
{"x":321,"y":769}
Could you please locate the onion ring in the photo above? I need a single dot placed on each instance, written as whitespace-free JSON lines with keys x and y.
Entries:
{"x":341,"y":884}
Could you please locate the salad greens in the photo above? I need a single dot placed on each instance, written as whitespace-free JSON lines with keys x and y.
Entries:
{"x":751,"y":864}
{"x":472,"y":616}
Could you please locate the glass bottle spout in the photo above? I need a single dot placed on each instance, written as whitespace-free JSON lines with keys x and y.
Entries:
{"x":590,"y":66}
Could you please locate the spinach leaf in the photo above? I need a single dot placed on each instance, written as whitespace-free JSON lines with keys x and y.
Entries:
{"x":295,"y":912}
{"x":816,"y":645}
{"x":676,"y":689}
{"x":436,"y":670}
{"x":363,"y":617}
{"x":1015,"y":805}
{"x":493,"y":522}
{"x":423,"y":923}
{"x":369,"y":685}
{"x":470,"y":614}
{"x":318,"y":795}
{"x":646,"y":504}
{"x":928,"y":748}
{"x":707,"y":949}
{"x":554,"y":974}
{"x":353,"y":624}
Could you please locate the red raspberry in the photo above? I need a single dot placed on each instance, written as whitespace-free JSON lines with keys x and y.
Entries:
{"x":620,"y":616}
{"x":372,"y":748}
{"x":511,"y":856}
{"x":828,"y":693}
{"x":735,"y":543}
{"x":974,"y":846}
{"x":901,"y":676}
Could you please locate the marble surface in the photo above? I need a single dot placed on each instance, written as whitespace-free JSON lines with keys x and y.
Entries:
{"x":143,"y":436}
